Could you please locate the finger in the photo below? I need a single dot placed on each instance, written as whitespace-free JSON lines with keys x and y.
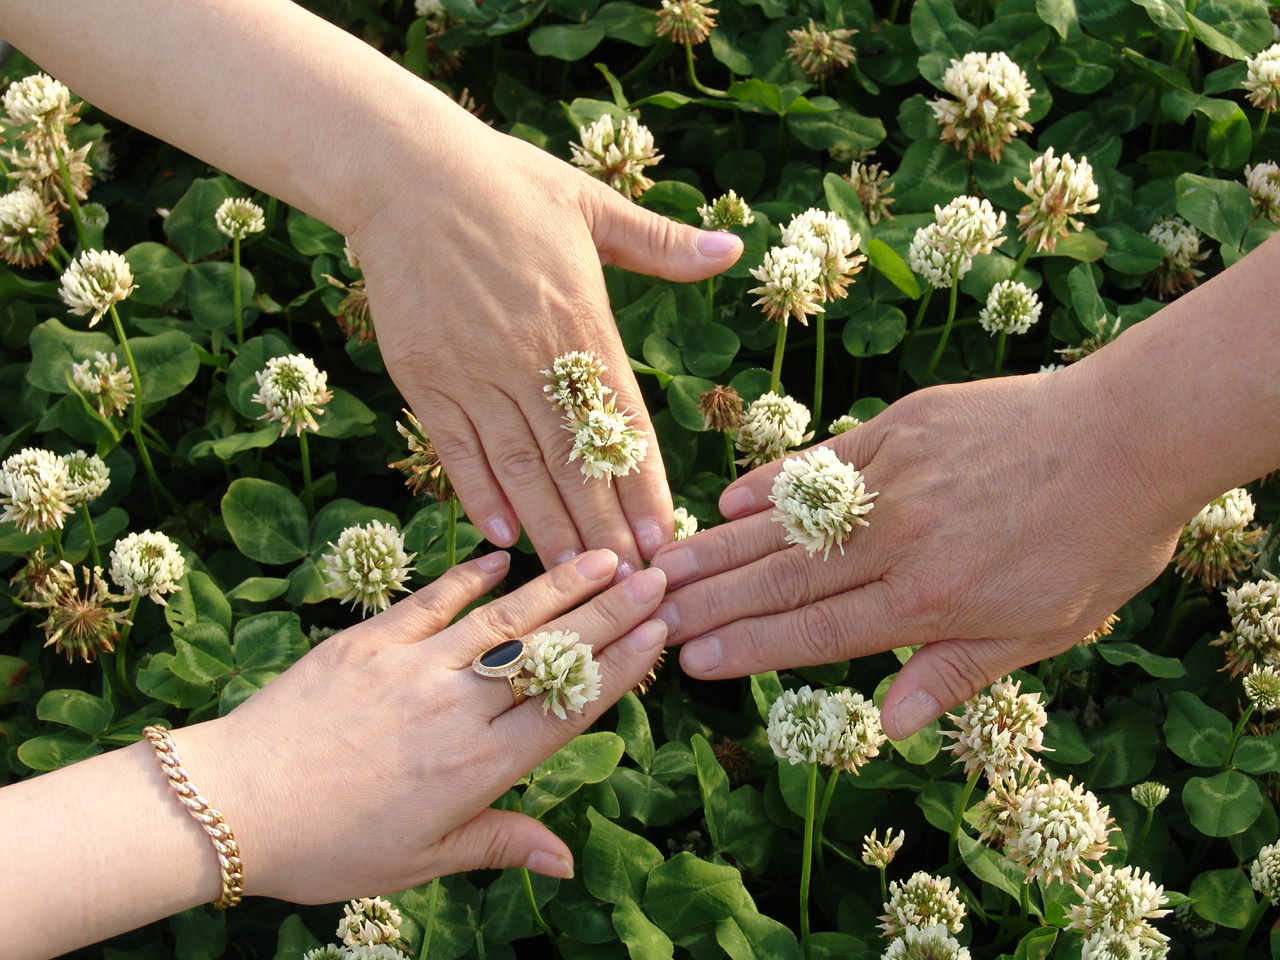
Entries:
{"x":729,"y":546}
{"x":643,"y":493}
{"x":636,"y":239}
{"x":495,"y":839}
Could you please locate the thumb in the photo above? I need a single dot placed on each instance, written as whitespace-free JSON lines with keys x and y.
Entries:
{"x":640,"y":240}
{"x":494,"y":839}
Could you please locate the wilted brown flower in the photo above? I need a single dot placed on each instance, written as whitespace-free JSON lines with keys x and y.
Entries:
{"x":422,"y":467}
{"x":868,"y":179}
{"x":820,"y":52}
{"x":82,"y":621}
{"x":721,"y":409}
{"x":686,"y":21}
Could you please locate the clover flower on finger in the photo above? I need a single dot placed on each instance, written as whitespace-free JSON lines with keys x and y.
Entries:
{"x":772,"y":426}
{"x":368,"y":921}
{"x":999,"y":731}
{"x":686,"y":21}
{"x":926,"y":943}
{"x":922,"y":900}
{"x":617,"y":155}
{"x":820,"y":499}
{"x":992,"y":96}
{"x":606,"y":443}
{"x":87,"y":477}
{"x":96,"y":281}
{"x":33,"y":490}
{"x":147,"y":564}
{"x":575,"y":385}
{"x":820,"y":52}
{"x":239,"y":218}
{"x":366,"y":565}
{"x":294,"y":392}
{"x":868,"y":179}
{"x":1059,"y":189}
{"x":559,"y":665}
{"x":725,"y":211}
{"x":107,"y":384}
{"x":28,"y":228}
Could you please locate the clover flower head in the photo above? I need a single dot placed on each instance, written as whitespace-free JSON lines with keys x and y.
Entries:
{"x":33,"y":490}
{"x":39,"y":166}
{"x":147,"y":564}
{"x":801,"y":728}
{"x":880,"y":853}
{"x":617,"y":155}
{"x":373,"y":951}
{"x":1012,"y":307}
{"x":686,"y":524}
{"x":1060,"y":189}
{"x":81,"y":619}
{"x":1149,"y":794}
{"x":606,"y":443}
{"x":109,"y":385}
{"x":792,"y":284}
{"x":1107,"y":945}
{"x":1185,"y":918}
{"x":368,"y":921}
{"x":1177,"y":270}
{"x":942,"y":252}
{"x":1254,"y":636}
{"x":926,"y":943}
{"x":28,"y":228}
{"x":239,"y":218}
{"x":294,"y":391}
{"x":94,"y":215}
{"x":820,"y":499}
{"x":827,"y":236}
{"x":820,"y":52}
{"x":992,"y":96}
{"x":999,"y":731}
{"x":422,"y":467}
{"x":1217,"y":544}
{"x":1264,"y":874}
{"x":330,"y":951}
{"x":1262,"y":79}
{"x":873,"y":195}
{"x":923,"y":900}
{"x":1262,"y":686}
{"x":721,"y":409}
{"x":562,"y":667}
{"x":1262,"y":180}
{"x":87,"y":477}
{"x":38,"y":99}
{"x":41,"y":581}
{"x":367,"y":565}
{"x":686,"y":21}
{"x":96,"y":281}
{"x":575,"y":385}
{"x":1108,"y":330}
{"x":1120,"y":902}
{"x":353,"y":315}
{"x":1104,"y":629}
{"x":1052,"y":828}
{"x":429,"y":8}
{"x":772,"y":426}
{"x":725,"y":211}
{"x":859,"y":736}
{"x":843,"y":424}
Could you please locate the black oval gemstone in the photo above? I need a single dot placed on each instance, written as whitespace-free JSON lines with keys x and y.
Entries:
{"x":502,"y":655}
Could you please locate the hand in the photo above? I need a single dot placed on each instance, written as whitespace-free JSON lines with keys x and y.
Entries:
{"x":369,"y":765}
{"x":1010,"y":524}
{"x":484,"y":269}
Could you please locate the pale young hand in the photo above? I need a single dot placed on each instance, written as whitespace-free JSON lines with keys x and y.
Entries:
{"x":369,"y":765}
{"x":481,"y":272}
{"x":1007,"y":528}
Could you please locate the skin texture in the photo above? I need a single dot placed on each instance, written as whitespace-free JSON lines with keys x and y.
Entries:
{"x":1014,"y":514}
{"x":333,"y":777}
{"x":469,"y":310}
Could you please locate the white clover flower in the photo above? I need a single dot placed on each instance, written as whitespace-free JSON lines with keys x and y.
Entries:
{"x":28,"y":228}
{"x":330,"y":951}
{"x":819,"y":500}
{"x":843,"y":424}
{"x":373,"y":951}
{"x":771,"y":427}
{"x":94,"y":215}
{"x":1012,"y":307}
{"x":873,"y":195}
{"x":791,"y":281}
{"x":95,"y":282}
{"x":1254,"y":636}
{"x":942,"y":252}
{"x":686,"y":21}
{"x":606,"y":443}
{"x":33,"y":490}
{"x":239,"y":218}
{"x":368,"y":921}
{"x":562,"y":667}
{"x":801,"y":728}
{"x":349,"y":254}
{"x":1120,"y":902}
{"x":999,"y":731}
{"x":859,"y":735}
{"x":575,"y":385}
{"x":294,"y":391}
{"x":880,"y":853}
{"x":87,"y":477}
{"x":827,"y":236}
{"x":1051,"y":828}
{"x":1262,"y":685}
{"x":1149,"y":794}
{"x":992,"y":96}
{"x":1265,"y":872}
{"x":1217,"y":544}
{"x":686,"y":524}
{"x":367,"y":565}
{"x":107,"y":384}
{"x":820,"y":52}
{"x":38,"y":99}
{"x":1262,"y":79}
{"x":617,"y":156}
{"x":926,"y":943}
{"x":1185,"y":918}
{"x":1177,"y":270}
{"x":1060,"y":189}
{"x":1263,"y":183}
{"x":728,"y":210}
{"x":922,"y":901}
{"x":429,"y":8}
{"x":147,"y":564}
{"x":1105,"y":945}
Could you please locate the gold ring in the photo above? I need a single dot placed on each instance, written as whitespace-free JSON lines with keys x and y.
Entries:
{"x":504,"y":661}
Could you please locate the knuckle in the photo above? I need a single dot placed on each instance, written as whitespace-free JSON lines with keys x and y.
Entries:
{"x":518,"y":460}
{"x":785,"y":581}
{"x":497,"y":619}
{"x":820,"y":632}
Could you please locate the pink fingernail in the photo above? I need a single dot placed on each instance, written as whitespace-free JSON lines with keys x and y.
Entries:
{"x":716,"y":243}
{"x":702,"y":656}
{"x":649,"y":536}
{"x":736,"y":502}
{"x":644,"y":586}
{"x":499,"y":531}
{"x":915,"y":711}
{"x":550,"y":864}
{"x":648,"y":636}
{"x":494,"y":562}
{"x":596,"y":565}
{"x":679,"y":564}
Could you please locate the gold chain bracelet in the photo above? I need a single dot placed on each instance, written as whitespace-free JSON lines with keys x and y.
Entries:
{"x":210,"y":820}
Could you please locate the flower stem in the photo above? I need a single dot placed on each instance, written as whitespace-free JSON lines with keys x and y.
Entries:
{"x":235,"y":291}
{"x":915,"y":325}
{"x":820,"y":324}
{"x":957,"y":819}
{"x":1235,"y":734}
{"x":1000,"y":339}
{"x":533,"y":904}
{"x":427,"y":929}
{"x":72,"y":203}
{"x":1172,"y":623}
{"x":946,"y":332}
{"x":884,"y":886}
{"x":1254,"y":919}
{"x":308,"y":500}
{"x":730,"y":458}
{"x":693,"y":76}
{"x":135,"y":417}
{"x":806,"y":863}
{"x":711,"y":299}
{"x":93,"y":540}
{"x":1262,"y":126}
{"x":775,"y":380}
{"x":1142,"y":836}
{"x":1023,"y":257}
{"x":122,"y":646}
{"x":451,"y":534}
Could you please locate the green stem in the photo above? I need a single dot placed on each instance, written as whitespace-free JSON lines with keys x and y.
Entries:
{"x":423,"y":954}
{"x":451,"y":534}
{"x":806,"y":862}
{"x":135,"y":416}
{"x":906,"y":344}
{"x":730,"y":456}
{"x":946,"y":332}
{"x":1024,"y":899}
{"x":884,"y":886}
{"x":1235,"y":733}
{"x":1254,"y":919}
{"x":235,"y":291}
{"x":711,"y":299}
{"x":72,"y":203}
{"x":308,"y":500}
{"x":93,"y":540}
{"x":122,"y":646}
{"x":820,"y":324}
{"x":957,"y":818}
{"x":1142,"y":836}
{"x":659,"y":51}
{"x":1262,"y":126}
{"x":533,"y":904}
{"x":775,"y":379}
{"x":1000,"y":339}
{"x":693,"y":76}
{"x":1172,"y":623}
{"x":1021,"y":262}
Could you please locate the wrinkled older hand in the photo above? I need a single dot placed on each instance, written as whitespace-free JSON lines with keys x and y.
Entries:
{"x":1007,"y":528}
{"x":480,"y":274}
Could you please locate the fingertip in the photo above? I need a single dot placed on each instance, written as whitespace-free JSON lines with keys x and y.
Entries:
{"x":496,"y":563}
{"x":596,"y":564}
{"x":650,"y":536}
{"x":737,"y":501}
{"x":720,"y":245}
{"x":909,"y":714}
{"x":551,"y":863}
{"x":501,"y":530}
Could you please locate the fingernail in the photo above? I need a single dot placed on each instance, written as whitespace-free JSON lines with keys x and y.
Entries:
{"x":566,"y":556}
{"x":645,"y":585}
{"x":648,"y":636}
{"x":669,"y":615}
{"x":702,"y":656}
{"x":914,"y":711}
{"x":736,"y":502}
{"x":679,"y":564}
{"x":716,"y":243}
{"x":596,"y":564}
{"x":550,"y":864}
{"x":625,"y":569}
{"x":493,"y":562}
{"x":499,"y":531}
{"x":649,"y":536}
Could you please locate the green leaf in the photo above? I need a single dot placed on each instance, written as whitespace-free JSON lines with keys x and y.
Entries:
{"x":1062,"y":736}
{"x":566,"y":42}
{"x":1220,"y":209}
{"x":211,"y":293}
{"x":157,"y":680}
{"x":749,"y":935}
{"x":158,"y":272}
{"x":1222,"y":805}
{"x":616,"y":861}
{"x":312,"y":238}
{"x":886,"y":260}
{"x":190,"y":225}
{"x":1224,"y":897}
{"x":1123,"y":752}
{"x":258,"y":589}
{"x":1195,"y":731}
{"x":759,"y":93}
{"x":645,"y":798}
{"x":55,"y":347}
{"x":765,"y":689}
{"x":843,"y":200}
{"x":644,"y":938}
{"x":294,"y":939}
{"x":1166,"y":14}
{"x":202,"y":653}
{"x":199,"y":933}
{"x":713,"y":787}
{"x":937,"y":28}
{"x":1061,"y":15}
{"x":1085,"y":299}
{"x":589,"y":758}
{"x":1258,"y":755}
{"x":843,"y":127}
{"x":685,"y":892}
{"x":633,"y":728}
{"x":991,"y":868}
{"x":874,"y":330}
{"x":682,"y":399}
{"x":709,"y":349}
{"x":1036,"y":945}
{"x":167,"y":363}
{"x":198,"y":599}
{"x":1129,"y":251}
{"x":1157,"y":666}
{"x":57,"y":750}
{"x":307,"y":583}
{"x":1229,"y":141}
{"x":76,"y":709}
{"x":269,"y":641}
{"x":266,"y":521}
{"x":231,"y":446}
{"x":675,"y":199}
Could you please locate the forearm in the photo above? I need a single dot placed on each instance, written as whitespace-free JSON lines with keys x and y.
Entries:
{"x":259,"y":88}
